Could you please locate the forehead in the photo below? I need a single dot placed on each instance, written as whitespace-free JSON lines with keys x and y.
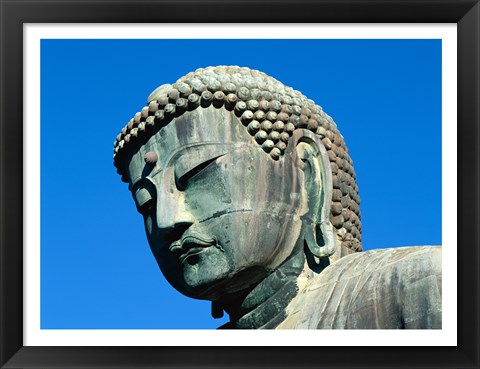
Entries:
{"x":196,"y":131}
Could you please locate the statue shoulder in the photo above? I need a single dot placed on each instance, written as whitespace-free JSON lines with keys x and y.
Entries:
{"x":382,"y":288}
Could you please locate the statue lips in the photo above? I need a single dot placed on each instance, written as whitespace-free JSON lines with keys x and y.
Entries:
{"x":190,"y":245}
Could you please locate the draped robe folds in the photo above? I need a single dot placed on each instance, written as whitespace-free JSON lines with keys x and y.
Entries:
{"x":398,"y":288}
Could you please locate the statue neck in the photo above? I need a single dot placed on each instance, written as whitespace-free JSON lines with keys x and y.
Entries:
{"x":264,"y":305}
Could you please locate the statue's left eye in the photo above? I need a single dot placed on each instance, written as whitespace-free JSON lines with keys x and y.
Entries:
{"x":182,"y":181}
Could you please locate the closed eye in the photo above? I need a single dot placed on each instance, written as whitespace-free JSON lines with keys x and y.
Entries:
{"x":182,"y":181}
{"x":144,"y":198}
{"x":146,"y":208}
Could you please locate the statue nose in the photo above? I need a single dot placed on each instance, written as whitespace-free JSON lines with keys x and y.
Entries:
{"x":172,"y":215}
{"x":174,"y":229}
{"x":183,"y":219}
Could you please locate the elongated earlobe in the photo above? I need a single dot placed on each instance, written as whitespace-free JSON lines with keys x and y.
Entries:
{"x":319,"y":233}
{"x":321,"y":240}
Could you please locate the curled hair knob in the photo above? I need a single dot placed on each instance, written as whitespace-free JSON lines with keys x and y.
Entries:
{"x":261,"y":136}
{"x":268,"y":145}
{"x":218,"y":98}
{"x":246,"y":117}
{"x":230,"y":101}
{"x":181,"y":106}
{"x":275,"y":153}
{"x":207,"y":98}
{"x":240,"y":107}
{"x":253,"y":127}
{"x":193,"y":101}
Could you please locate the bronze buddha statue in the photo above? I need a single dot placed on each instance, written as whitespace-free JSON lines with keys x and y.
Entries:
{"x":250,"y":200}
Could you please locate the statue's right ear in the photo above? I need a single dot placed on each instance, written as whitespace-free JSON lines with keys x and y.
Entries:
{"x":311,"y":158}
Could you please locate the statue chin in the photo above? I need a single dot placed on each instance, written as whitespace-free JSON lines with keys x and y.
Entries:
{"x":200,"y":274}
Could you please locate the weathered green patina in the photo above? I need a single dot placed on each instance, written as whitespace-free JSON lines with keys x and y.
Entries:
{"x":250,"y":200}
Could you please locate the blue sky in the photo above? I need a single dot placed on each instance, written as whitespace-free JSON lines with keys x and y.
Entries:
{"x":97,"y":271}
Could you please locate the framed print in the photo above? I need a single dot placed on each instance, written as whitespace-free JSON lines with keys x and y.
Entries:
{"x":79,"y":285}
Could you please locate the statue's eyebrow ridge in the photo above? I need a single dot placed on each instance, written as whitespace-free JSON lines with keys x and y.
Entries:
{"x":141,"y":182}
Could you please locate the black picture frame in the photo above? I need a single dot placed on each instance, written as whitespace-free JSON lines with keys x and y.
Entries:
{"x":14,"y":14}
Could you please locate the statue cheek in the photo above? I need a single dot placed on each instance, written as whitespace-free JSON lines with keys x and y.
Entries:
{"x":208,"y":196}
{"x":149,"y":225}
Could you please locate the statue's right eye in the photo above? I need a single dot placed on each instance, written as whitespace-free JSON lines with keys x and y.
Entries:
{"x":144,"y":200}
{"x":146,"y":208}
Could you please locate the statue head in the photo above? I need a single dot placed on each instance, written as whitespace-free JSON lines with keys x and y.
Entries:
{"x":234,"y":173}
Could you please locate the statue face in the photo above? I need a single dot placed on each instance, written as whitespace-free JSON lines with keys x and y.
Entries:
{"x":220,"y":214}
